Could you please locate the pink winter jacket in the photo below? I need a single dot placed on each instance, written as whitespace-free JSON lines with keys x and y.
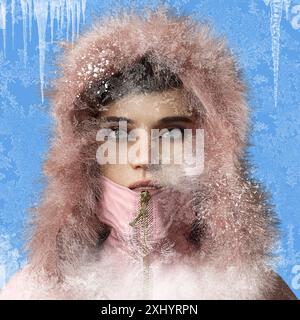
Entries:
{"x":84,"y":243}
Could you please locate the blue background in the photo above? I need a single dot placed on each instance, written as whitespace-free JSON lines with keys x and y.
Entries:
{"x":25,"y":124}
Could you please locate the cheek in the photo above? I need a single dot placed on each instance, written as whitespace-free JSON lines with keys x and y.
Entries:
{"x":106,"y":170}
{"x":166,"y":174}
{"x":114,"y":172}
{"x":173,"y":176}
{"x":186,"y":161}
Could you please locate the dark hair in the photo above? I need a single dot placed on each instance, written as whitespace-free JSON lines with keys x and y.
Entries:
{"x":145,"y":75}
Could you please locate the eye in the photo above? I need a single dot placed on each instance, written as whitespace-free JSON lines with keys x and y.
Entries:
{"x":118,"y":134}
{"x":175,"y":133}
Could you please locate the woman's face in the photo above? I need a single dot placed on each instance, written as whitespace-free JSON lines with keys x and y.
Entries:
{"x":156,"y":110}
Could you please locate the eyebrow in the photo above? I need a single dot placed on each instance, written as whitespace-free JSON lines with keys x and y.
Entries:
{"x":117,"y":119}
{"x":175,"y":118}
{"x":160,"y":121}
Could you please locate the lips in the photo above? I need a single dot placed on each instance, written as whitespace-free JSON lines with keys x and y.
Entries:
{"x":144,"y":184}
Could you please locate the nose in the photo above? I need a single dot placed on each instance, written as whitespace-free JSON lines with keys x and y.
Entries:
{"x":140,"y":165}
{"x":139,"y":154}
{"x":141,"y":160}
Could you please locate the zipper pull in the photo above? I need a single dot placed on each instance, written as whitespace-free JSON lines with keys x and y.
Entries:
{"x":144,"y":199}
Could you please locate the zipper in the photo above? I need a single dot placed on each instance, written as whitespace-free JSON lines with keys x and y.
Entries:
{"x":142,"y":219}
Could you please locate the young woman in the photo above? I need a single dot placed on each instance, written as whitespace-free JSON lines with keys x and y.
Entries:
{"x":132,"y":228}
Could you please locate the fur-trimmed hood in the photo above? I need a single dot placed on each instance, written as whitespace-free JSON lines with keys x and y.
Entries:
{"x":240,"y":226}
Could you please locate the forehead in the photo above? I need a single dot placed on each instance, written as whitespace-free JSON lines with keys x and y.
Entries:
{"x":148,"y":107}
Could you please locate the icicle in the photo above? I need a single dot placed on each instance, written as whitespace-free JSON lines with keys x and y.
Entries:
{"x":62,"y":13}
{"x":30,"y":12}
{"x":3,"y":22}
{"x":24,"y":19}
{"x":39,"y":9}
{"x":83,"y":7}
{"x":58,"y":14}
{"x":73,"y":8}
{"x":276,"y":13}
{"x":287,"y":4}
{"x":68,"y":17}
{"x":13,"y":22}
{"x":3,"y":14}
{"x":78,"y":18}
{"x":41,"y":14}
{"x":53,"y":7}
